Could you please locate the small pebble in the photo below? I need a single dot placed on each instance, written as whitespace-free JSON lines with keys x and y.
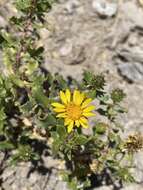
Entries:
{"x":105,"y":8}
{"x":71,"y":6}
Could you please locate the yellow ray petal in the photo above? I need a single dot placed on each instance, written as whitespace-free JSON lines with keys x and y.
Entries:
{"x":70,"y":126}
{"x":83,"y":120}
{"x":67,"y":121}
{"x":82,"y":96}
{"x":77,"y":123}
{"x":88,"y":109}
{"x":63,"y":97}
{"x":83,"y":124}
{"x":68,"y":95}
{"x":88,"y":114}
{"x":77,"y":97}
{"x":58,"y":110}
{"x":57,"y":105}
{"x":62,"y":115}
{"x":86,"y":103}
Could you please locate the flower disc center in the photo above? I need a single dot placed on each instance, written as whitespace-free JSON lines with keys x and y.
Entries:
{"x":73,"y":111}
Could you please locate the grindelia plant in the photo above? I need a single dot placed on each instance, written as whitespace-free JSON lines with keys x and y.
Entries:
{"x":38,"y":108}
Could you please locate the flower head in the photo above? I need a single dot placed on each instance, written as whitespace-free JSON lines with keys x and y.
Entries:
{"x":134,"y":143}
{"x":74,"y":108}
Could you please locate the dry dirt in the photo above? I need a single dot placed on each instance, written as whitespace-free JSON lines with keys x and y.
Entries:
{"x":102,"y":36}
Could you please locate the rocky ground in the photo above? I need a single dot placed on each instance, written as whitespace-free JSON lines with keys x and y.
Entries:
{"x":102,"y":36}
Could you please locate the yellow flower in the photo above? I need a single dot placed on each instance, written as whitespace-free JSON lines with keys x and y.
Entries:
{"x":74,"y":108}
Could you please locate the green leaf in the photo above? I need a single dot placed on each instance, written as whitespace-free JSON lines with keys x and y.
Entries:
{"x":1,"y":127}
{"x":40,"y":97}
{"x":113,"y":137}
{"x":36,"y":52}
{"x":91,"y":94}
{"x":61,"y":82}
{"x":125,"y":175}
{"x":87,"y":183}
{"x":61,"y":130}
{"x":5,"y":145}
{"x":73,"y":184}
{"x":5,"y":36}
{"x":49,"y":121}
{"x":101,"y":128}
{"x":2,"y":114}
{"x":35,"y":157}
{"x":2,"y":119}
{"x":17,"y":21}
{"x":56,"y":146}
{"x":23,"y":5}
{"x":17,"y":81}
{"x":104,"y":99}
{"x":23,"y":153}
{"x":31,"y":67}
{"x":120,"y":109}
{"x":81,"y":139}
{"x":88,"y":77}
{"x":27,"y":107}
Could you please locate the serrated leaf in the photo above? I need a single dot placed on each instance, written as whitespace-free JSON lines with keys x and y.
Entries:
{"x":49,"y":121}
{"x":91,"y":94}
{"x":105,"y":99}
{"x":23,"y":5}
{"x":88,"y":77}
{"x":81,"y":139}
{"x":40,"y":97}
{"x":61,"y":130}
